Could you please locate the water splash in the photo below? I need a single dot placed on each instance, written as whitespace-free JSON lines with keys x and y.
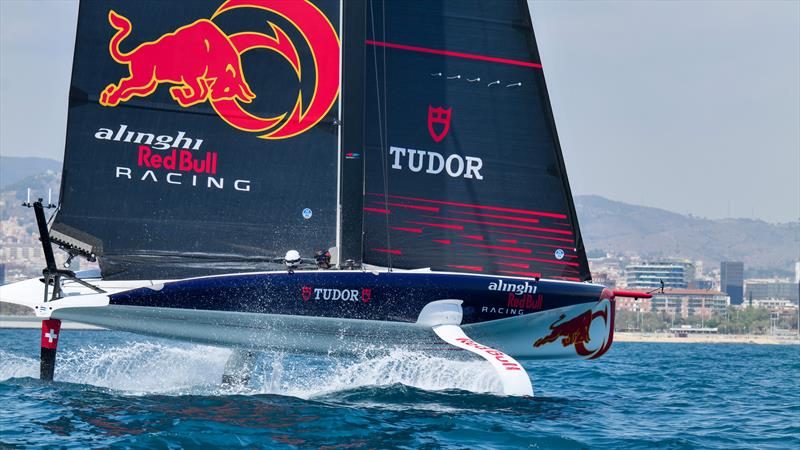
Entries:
{"x":185,"y":369}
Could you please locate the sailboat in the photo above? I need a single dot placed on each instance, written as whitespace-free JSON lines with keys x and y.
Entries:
{"x":318,"y":176}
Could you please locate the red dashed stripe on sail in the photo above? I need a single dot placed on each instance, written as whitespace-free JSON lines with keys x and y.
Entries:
{"x":546,"y":261}
{"x":408,"y":230}
{"x":469,"y":205}
{"x":472,"y":236}
{"x":524,"y":274}
{"x":377,"y":210}
{"x":567,"y":278}
{"x":507,"y":241}
{"x":505,"y":225}
{"x":437,"y":225}
{"x":472,"y":268}
{"x":407,"y":206}
{"x":536,"y":236}
{"x":387,"y":250}
{"x":517,"y":265}
{"x":549,"y":246}
{"x":442,"y":241}
{"x":496,"y":216}
{"x":501,"y":247}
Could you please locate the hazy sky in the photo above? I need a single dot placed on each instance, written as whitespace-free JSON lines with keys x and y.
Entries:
{"x":689,"y":106}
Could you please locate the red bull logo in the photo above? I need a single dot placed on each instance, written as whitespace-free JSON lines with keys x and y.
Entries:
{"x":203,"y":64}
{"x":576,"y":331}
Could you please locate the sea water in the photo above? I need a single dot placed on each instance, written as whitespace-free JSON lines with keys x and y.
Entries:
{"x":116,"y":389}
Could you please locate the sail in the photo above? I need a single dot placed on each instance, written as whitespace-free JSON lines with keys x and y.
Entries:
{"x":463,"y":167}
{"x":202,"y":136}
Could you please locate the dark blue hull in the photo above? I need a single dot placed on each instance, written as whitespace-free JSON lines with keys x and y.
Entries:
{"x":376,"y":296}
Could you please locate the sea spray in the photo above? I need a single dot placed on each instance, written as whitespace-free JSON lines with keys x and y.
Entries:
{"x":149,"y":367}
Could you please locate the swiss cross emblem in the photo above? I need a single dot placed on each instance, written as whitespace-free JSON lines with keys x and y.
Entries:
{"x":306,"y":293}
{"x":438,"y":122}
{"x":366,"y":295}
{"x":51,"y":329}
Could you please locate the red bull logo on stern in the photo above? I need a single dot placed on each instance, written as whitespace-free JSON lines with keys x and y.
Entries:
{"x":202,"y":63}
{"x":576,"y":331}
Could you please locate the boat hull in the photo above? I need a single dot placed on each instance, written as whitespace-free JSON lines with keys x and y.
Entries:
{"x":357,"y":312}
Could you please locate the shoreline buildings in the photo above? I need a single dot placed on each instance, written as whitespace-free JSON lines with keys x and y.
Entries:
{"x":676,"y":274}
{"x":731,"y":277}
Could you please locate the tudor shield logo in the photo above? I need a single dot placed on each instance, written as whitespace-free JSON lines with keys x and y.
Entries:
{"x":438,"y":122}
{"x":201,"y":63}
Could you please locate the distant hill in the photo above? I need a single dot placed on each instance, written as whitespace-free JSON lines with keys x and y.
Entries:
{"x":14,"y":169}
{"x":13,"y":195}
{"x":652,"y":233}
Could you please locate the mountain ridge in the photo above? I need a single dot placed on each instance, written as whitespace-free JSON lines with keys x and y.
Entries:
{"x":622,"y":228}
{"x":16,"y":168}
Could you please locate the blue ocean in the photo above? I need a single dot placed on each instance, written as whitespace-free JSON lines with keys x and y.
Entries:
{"x":116,"y":389}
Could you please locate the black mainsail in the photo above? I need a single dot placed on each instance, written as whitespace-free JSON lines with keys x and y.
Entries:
{"x":464,"y":170}
{"x":201,"y":135}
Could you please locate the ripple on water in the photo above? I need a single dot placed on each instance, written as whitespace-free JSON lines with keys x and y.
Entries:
{"x":117,"y":389}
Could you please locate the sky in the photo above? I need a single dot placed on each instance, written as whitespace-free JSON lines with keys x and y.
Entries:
{"x":689,"y":106}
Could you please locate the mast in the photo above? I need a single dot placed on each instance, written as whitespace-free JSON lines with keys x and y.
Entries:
{"x":351,"y":162}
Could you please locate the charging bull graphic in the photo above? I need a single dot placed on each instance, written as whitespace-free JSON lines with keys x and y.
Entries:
{"x":576,"y":331}
{"x":202,"y":63}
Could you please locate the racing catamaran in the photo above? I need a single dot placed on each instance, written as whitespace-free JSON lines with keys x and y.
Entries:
{"x":318,"y":176}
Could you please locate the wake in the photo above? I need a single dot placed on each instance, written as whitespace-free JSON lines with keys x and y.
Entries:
{"x":141,"y":368}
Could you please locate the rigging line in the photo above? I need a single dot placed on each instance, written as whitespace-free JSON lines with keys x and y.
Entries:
{"x":380,"y":126}
{"x":386,"y":127}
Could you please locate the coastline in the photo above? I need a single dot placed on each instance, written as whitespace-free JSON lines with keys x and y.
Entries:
{"x":627,"y":336}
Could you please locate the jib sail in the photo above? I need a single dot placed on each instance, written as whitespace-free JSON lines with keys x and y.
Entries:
{"x":463,"y":167}
{"x":201,"y":135}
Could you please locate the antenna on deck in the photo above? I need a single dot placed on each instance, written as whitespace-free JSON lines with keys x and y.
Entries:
{"x":52,"y":274}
